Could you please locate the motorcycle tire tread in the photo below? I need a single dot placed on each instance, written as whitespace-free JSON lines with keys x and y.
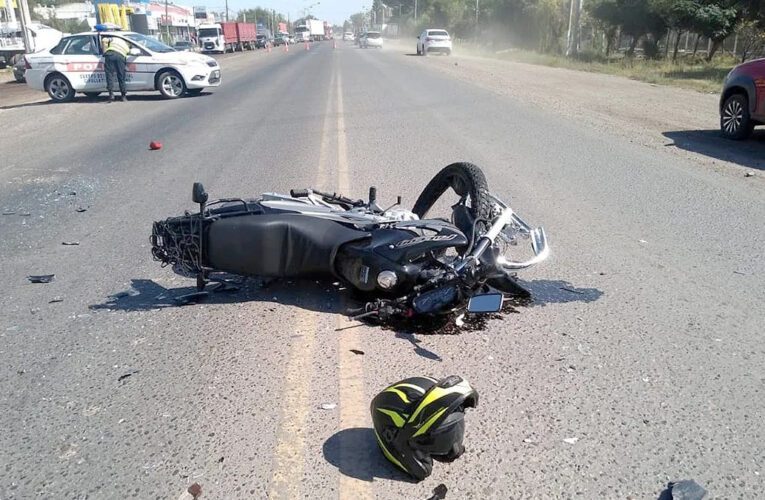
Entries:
{"x":482,"y":206}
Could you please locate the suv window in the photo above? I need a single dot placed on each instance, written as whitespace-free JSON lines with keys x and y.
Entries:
{"x":80,"y":45}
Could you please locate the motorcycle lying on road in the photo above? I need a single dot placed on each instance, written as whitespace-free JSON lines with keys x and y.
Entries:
{"x":404,"y":263}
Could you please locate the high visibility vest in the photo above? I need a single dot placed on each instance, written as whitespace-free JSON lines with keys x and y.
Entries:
{"x":119,"y":46}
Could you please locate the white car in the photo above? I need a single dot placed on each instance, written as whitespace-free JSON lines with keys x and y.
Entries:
{"x":76,"y":64}
{"x":433,"y":40}
{"x":348,"y":36}
{"x":372,"y":39}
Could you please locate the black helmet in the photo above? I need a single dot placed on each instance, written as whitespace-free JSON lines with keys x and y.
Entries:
{"x":421,"y":418}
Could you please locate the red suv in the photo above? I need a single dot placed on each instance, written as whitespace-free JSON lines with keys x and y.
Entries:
{"x":742,"y":103}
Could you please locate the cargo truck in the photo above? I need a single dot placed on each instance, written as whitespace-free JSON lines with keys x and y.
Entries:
{"x":227,"y":37}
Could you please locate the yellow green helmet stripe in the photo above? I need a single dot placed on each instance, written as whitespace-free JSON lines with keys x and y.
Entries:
{"x":388,"y":454}
{"x":398,"y":420}
{"x":422,"y":430}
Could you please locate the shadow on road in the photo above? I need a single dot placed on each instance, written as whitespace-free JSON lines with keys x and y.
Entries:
{"x":103,"y":99}
{"x":418,"y":350}
{"x":146,"y":295}
{"x":355,"y":453}
{"x":749,"y":153}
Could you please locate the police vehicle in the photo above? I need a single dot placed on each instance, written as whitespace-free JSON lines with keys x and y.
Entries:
{"x":76,"y":64}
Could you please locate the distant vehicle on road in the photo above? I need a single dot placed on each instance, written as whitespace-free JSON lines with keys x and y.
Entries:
{"x":227,"y":37}
{"x":742,"y":102}
{"x":184,"y":46}
{"x":372,"y":39}
{"x":263,"y":41}
{"x":281,"y":40}
{"x":348,"y":36}
{"x":434,"y":40}
{"x":76,"y":65}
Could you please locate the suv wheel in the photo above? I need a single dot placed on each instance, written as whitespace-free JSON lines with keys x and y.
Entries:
{"x":735,"y":122}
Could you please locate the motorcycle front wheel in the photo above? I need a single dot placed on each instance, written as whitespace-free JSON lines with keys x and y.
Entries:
{"x":467,"y":181}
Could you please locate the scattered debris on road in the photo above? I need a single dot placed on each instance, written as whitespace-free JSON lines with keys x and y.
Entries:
{"x":9,"y":213}
{"x":80,"y":210}
{"x":191,"y":298}
{"x":571,"y":440}
{"x":686,"y":489}
{"x":439,"y":492}
{"x":572,"y":290}
{"x":195,"y":490}
{"x":328,"y":406}
{"x":70,"y":243}
{"x":220,"y":460}
{"x":749,"y":174}
{"x":356,"y":351}
{"x":128,"y":374}
{"x":55,"y":300}
{"x":155,"y":145}
{"x":41,"y":278}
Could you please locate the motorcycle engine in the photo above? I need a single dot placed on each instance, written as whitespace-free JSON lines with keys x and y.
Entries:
{"x":400,"y":214}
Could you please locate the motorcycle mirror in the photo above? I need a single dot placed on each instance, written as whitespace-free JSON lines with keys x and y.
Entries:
{"x":486,"y":303}
{"x":198,"y":193}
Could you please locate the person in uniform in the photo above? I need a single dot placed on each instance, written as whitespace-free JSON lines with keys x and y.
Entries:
{"x":116,"y":51}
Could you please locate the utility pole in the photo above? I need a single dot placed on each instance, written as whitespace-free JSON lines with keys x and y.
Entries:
{"x":574,"y":18}
{"x":24,"y":21}
{"x":415,"y":11}
{"x":167,"y":24}
{"x":226,"y":10}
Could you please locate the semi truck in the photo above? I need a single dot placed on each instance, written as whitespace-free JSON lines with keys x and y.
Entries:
{"x":311,"y":30}
{"x":227,"y":37}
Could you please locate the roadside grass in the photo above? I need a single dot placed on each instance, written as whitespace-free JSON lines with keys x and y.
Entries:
{"x":688,"y":72}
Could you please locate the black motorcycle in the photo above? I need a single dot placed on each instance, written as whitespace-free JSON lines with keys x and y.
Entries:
{"x":404,"y":263}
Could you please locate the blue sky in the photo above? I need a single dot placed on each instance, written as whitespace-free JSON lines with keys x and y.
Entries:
{"x":335,"y":11}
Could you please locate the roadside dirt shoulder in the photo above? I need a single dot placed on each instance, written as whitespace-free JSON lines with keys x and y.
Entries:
{"x":678,"y":120}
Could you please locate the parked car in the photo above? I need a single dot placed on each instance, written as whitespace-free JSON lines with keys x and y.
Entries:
{"x":742,"y":102}
{"x":19,"y":68}
{"x":76,"y":65}
{"x":434,"y":40}
{"x":262,"y":41}
{"x":184,"y":46}
{"x":372,"y":39}
{"x":348,"y":36}
{"x":281,"y":40}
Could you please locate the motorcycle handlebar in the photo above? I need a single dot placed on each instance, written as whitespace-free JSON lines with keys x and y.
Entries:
{"x":299,"y":193}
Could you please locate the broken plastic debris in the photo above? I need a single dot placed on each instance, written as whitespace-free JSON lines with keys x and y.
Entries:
{"x":439,"y":492}
{"x":356,"y":351}
{"x":8,"y":213}
{"x":460,"y":320}
{"x":55,"y":299}
{"x":749,"y":174}
{"x":686,"y":489}
{"x":41,"y":278}
{"x":328,"y":406}
{"x":571,"y":440}
{"x":70,"y":243}
{"x":80,"y":209}
{"x":195,"y":490}
{"x":128,"y":374}
{"x":155,"y":145}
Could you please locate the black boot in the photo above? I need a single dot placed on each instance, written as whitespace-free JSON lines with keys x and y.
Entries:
{"x":111,"y":96}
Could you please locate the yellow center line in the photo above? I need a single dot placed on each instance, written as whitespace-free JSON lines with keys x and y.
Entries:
{"x":353,"y":404}
{"x":289,"y":455}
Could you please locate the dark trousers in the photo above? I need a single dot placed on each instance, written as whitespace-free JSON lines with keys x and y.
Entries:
{"x":114,"y":64}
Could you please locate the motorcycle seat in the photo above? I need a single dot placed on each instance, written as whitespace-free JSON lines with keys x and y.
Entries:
{"x":277,"y":245}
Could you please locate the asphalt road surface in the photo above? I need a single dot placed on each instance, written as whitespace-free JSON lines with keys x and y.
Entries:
{"x":639,"y":362}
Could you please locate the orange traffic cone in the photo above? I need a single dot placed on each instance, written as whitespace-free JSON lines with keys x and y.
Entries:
{"x":268,"y":46}
{"x":307,"y":47}
{"x":334,"y":43}
{"x":286,"y":47}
